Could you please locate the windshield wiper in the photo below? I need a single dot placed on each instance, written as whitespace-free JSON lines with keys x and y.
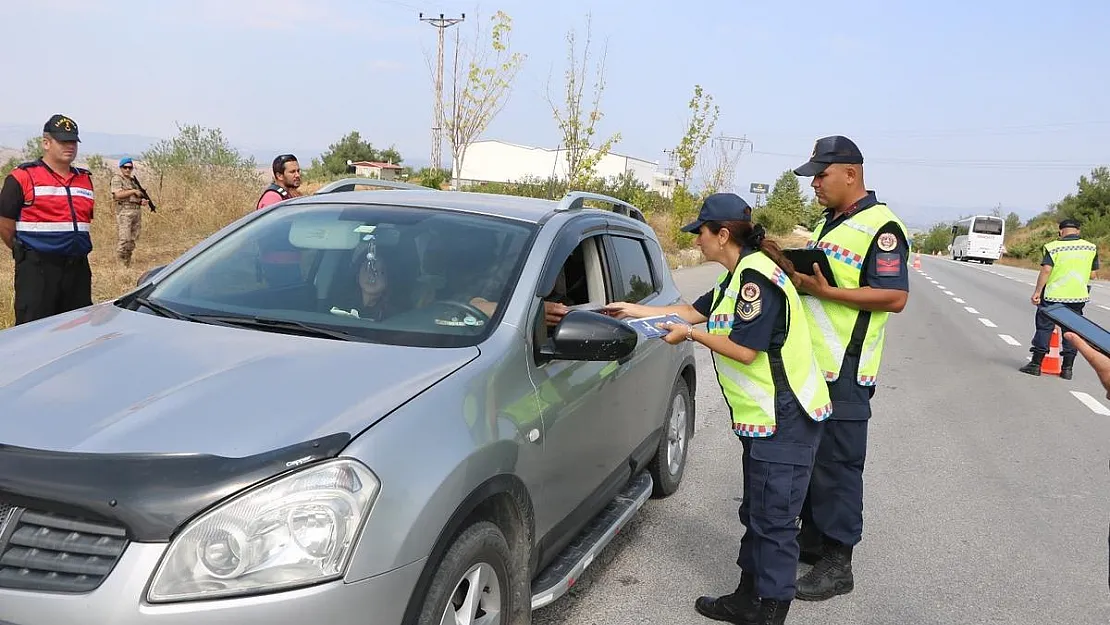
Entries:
{"x":163,"y":310}
{"x":281,"y":325}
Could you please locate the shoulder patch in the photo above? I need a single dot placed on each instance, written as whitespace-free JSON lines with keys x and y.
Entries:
{"x":749,"y":292}
{"x":748,"y":310}
{"x":887,"y":242}
{"x":888,"y":264}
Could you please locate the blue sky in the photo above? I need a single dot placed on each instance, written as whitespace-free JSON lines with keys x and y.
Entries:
{"x":957,"y":106}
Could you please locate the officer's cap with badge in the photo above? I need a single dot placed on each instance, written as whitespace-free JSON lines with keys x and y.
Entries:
{"x":720,"y":207}
{"x":828,"y":151}
{"x":61,"y":128}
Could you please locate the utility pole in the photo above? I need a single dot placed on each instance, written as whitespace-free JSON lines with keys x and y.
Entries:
{"x":441,"y":23}
{"x":729,"y":151}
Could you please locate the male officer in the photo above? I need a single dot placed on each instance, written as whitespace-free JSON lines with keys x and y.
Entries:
{"x":1068,"y":266}
{"x":46,"y":207}
{"x":129,"y":203}
{"x":868,"y":249}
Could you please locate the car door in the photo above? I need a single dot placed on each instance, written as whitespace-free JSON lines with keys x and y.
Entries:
{"x":642,"y":392}
{"x":583,"y":444}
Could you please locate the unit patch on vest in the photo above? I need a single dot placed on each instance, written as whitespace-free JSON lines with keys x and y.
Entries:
{"x":749,"y":292}
{"x":887,"y":241}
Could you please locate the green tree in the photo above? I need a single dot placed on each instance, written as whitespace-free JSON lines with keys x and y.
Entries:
{"x":480,"y":86}
{"x":936,"y":239}
{"x":786,"y":198}
{"x":1090,"y":204}
{"x":197,"y":154}
{"x":333,"y":162}
{"x":703,"y":118}
{"x":577,"y":126}
{"x":811,"y":213}
{"x":32,"y":150}
{"x":1013,"y":224}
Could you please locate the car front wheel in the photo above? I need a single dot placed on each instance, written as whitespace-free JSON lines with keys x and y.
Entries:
{"x":472,"y":584}
{"x":669,"y":462}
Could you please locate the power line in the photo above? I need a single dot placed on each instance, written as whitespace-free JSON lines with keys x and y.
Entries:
{"x":964,"y":164}
{"x":441,"y":23}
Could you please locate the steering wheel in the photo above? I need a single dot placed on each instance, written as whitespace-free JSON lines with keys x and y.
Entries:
{"x":466,"y":307}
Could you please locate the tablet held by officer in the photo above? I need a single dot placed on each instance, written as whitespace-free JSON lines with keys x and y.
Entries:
{"x":46,"y":207}
{"x":762,"y":351}
{"x":868,"y":251}
{"x":1068,"y":266}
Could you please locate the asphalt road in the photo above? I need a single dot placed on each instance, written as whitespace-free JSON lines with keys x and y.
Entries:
{"x":986,"y":494}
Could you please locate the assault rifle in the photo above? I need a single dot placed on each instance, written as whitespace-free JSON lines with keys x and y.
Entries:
{"x":146,"y":196}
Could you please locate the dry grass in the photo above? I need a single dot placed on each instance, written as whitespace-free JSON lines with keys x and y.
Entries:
{"x":186,"y":215}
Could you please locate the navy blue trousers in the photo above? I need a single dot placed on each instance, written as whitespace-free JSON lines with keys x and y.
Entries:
{"x":776,"y":475}
{"x":1045,"y":326}
{"x":833,"y":508}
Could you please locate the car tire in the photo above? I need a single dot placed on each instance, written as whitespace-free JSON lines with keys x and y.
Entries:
{"x":479,"y":555}
{"x":669,"y":463}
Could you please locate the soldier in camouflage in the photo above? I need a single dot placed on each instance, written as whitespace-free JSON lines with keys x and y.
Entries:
{"x":129,"y":203}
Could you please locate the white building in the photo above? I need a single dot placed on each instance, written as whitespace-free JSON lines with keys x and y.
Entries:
{"x":500,"y":161}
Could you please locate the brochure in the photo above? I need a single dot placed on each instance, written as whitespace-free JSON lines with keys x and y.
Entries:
{"x":646,"y":325}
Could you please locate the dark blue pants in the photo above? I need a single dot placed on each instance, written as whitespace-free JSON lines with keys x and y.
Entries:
{"x":776,"y":476}
{"x":1044,"y":330}
{"x":833,"y":508}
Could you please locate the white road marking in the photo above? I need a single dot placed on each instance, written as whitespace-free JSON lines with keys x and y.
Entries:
{"x":987,"y":322}
{"x":1009,"y":339}
{"x":949,"y":293}
{"x":958,"y":300}
{"x":941,"y":286}
{"x":1104,"y":307}
{"x":971,"y":310}
{"x":1092,"y":403}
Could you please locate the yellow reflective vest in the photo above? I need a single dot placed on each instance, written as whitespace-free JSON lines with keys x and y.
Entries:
{"x":750,"y":390}
{"x":832,"y":324}
{"x":1071,"y":270}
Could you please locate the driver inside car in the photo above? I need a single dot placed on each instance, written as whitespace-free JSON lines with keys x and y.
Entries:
{"x":370,"y":298}
{"x":553,"y":307}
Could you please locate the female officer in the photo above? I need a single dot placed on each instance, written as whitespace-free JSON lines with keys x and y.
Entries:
{"x":756,"y":330}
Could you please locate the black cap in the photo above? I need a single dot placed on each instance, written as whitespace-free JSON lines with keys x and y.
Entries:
{"x":720,"y":207}
{"x":829,"y":150}
{"x":1069,"y":223}
{"x":61,"y":128}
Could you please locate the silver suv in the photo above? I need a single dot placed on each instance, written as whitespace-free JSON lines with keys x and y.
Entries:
{"x":347,"y":408}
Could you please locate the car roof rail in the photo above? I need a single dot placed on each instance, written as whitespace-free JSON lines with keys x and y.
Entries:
{"x":349,"y":184}
{"x":575,"y":200}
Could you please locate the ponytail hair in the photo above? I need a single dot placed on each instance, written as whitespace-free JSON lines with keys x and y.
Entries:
{"x":745,"y":234}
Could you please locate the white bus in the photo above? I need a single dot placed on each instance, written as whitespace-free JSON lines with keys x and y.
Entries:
{"x":978,"y":238}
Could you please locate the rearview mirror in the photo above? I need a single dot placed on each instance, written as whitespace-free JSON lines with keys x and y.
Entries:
{"x":590,"y":336}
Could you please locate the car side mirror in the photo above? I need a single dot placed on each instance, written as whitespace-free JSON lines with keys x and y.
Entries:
{"x":590,"y":336}
{"x":149,"y":273}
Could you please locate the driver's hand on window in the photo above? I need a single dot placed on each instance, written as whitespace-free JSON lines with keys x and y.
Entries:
{"x":553,"y":312}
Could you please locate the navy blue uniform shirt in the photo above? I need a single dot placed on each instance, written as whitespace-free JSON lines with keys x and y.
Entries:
{"x":1047,"y":260}
{"x":886,"y":261}
{"x":759,"y":324}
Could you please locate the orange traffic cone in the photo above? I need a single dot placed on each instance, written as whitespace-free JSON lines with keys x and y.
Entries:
{"x":1051,"y":363}
{"x":917,"y":261}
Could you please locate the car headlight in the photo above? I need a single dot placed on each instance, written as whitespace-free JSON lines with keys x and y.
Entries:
{"x":297,"y":530}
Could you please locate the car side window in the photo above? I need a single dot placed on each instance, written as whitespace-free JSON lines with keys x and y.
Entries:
{"x":631,"y":273}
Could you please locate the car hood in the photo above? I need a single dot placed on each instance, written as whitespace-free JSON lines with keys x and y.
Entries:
{"x":108,"y":380}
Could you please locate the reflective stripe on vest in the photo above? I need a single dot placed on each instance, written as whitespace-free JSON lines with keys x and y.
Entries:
{"x":1071,"y":270}
{"x":56,"y":212}
{"x":750,"y":390}
{"x":832,"y":323}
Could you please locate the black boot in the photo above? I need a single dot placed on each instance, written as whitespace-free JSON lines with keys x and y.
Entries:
{"x":738,"y":607}
{"x":1066,"y":367}
{"x":769,"y":612}
{"x":830,"y":577}
{"x":1033,"y":367}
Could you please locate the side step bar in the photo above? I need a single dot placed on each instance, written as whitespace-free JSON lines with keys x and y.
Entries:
{"x":556,"y":580}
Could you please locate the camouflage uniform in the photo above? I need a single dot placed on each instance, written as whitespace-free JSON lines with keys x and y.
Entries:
{"x":128,"y":217}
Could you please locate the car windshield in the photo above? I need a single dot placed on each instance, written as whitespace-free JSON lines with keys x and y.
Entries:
{"x":385,"y":274}
{"x":989,"y":225}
